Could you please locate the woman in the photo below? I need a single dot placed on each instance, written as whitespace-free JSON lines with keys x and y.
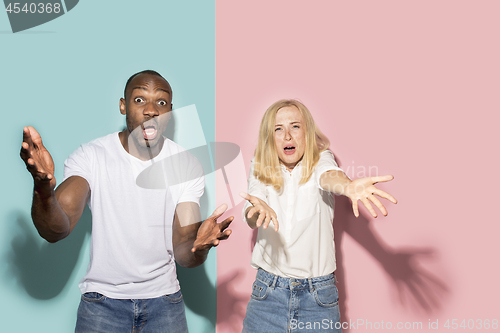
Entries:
{"x":292,"y":178}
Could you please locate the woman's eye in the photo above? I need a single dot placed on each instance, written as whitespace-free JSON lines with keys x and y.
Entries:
{"x":296,"y":126}
{"x":138,"y":100}
{"x":277,"y":129}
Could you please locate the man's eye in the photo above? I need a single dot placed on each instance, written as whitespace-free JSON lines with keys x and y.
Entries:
{"x":138,"y":100}
{"x":162,"y":103}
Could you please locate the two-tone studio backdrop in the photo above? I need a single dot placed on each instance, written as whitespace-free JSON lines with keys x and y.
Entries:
{"x":403,"y":88}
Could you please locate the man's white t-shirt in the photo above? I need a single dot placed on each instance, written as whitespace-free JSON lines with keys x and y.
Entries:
{"x":131,"y":254}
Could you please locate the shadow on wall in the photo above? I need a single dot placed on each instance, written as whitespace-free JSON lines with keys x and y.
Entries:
{"x":418,"y":289}
{"x":233,"y":308}
{"x":41,"y":268}
{"x":199,"y":294}
{"x":231,"y":305}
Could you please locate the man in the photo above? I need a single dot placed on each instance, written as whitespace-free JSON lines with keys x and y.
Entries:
{"x":131,"y":283}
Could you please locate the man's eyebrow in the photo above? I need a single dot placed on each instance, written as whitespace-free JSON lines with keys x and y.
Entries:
{"x":144,"y":88}
{"x":168,"y":92}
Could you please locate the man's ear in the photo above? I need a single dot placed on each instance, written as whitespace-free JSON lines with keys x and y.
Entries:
{"x":123,"y":109}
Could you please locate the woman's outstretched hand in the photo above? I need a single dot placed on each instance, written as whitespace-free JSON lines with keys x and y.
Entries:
{"x":265,"y":214}
{"x":364,"y":189}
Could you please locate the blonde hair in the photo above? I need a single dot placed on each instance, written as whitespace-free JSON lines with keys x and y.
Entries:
{"x":267,"y":166}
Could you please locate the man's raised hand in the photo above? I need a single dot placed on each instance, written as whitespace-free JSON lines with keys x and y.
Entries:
{"x":38,"y":160}
{"x":210,"y":232}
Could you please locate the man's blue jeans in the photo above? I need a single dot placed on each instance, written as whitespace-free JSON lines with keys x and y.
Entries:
{"x":285,"y":305}
{"x":98,"y":313}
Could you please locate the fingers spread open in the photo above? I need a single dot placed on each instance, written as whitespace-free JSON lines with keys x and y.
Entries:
{"x":224,"y":224}
{"x":378,"y":204}
{"x":250,"y":198}
{"x":252,"y":211}
{"x":369,"y":207}
{"x":261,"y":218}
{"x":27,"y":136}
{"x":276,"y":223}
{"x":245,"y":196}
{"x":37,"y":172}
{"x":34,"y":136}
{"x":267,"y":221}
{"x":25,"y":147}
{"x":385,"y":178}
{"x":355,"y":208}
{"x":218,"y":212}
{"x":224,"y":235}
{"x":385,"y":195}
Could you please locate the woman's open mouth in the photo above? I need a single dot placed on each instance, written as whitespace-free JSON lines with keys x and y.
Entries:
{"x":289,"y":150}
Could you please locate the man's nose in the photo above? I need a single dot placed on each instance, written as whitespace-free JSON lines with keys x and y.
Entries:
{"x":151,"y":110}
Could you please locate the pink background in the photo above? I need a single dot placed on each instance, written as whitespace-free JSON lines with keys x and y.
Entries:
{"x":409,"y":88}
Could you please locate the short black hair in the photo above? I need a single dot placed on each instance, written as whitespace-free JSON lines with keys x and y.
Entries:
{"x":147,"y":71}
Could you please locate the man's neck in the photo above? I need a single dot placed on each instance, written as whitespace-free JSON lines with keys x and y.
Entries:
{"x":142,"y":153}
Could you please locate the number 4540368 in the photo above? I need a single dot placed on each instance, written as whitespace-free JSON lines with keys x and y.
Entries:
{"x":472,"y":324}
{"x":33,"y":8}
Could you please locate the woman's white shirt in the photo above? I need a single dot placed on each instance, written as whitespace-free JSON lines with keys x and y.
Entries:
{"x":303,"y":247}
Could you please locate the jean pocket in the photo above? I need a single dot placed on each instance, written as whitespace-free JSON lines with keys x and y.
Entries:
{"x":174,"y":298}
{"x":326,"y":296}
{"x":93,"y":297}
{"x":260,"y":290}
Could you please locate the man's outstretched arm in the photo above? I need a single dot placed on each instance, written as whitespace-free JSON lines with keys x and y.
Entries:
{"x":193,"y":239}
{"x":55,"y":212}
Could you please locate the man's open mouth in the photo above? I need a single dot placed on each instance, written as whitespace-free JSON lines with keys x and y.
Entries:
{"x":149,"y":131}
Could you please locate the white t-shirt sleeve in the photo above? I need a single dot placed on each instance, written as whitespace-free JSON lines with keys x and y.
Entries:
{"x":194,"y":185}
{"x":326,"y":163}
{"x":79,"y":164}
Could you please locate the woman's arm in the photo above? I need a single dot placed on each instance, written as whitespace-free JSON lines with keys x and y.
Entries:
{"x":363,"y":189}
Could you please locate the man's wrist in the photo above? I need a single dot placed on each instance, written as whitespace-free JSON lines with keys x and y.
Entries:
{"x":42,"y":193}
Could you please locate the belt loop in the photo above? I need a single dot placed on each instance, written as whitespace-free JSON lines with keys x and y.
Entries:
{"x":334,"y":278}
{"x":311,"y":288}
{"x":273,"y":285}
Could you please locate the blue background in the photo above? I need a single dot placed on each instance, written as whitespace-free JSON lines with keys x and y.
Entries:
{"x":65,"y":78}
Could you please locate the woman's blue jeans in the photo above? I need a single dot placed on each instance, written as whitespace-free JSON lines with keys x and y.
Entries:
{"x":286,"y":305}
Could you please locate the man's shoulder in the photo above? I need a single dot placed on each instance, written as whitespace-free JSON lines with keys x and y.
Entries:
{"x":106,"y":139}
{"x":105,"y":142}
{"x":98,"y":145}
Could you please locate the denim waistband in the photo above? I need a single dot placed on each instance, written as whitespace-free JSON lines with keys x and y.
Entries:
{"x":290,"y":283}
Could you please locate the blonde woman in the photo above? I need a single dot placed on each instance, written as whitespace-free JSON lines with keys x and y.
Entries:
{"x":289,"y":199}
